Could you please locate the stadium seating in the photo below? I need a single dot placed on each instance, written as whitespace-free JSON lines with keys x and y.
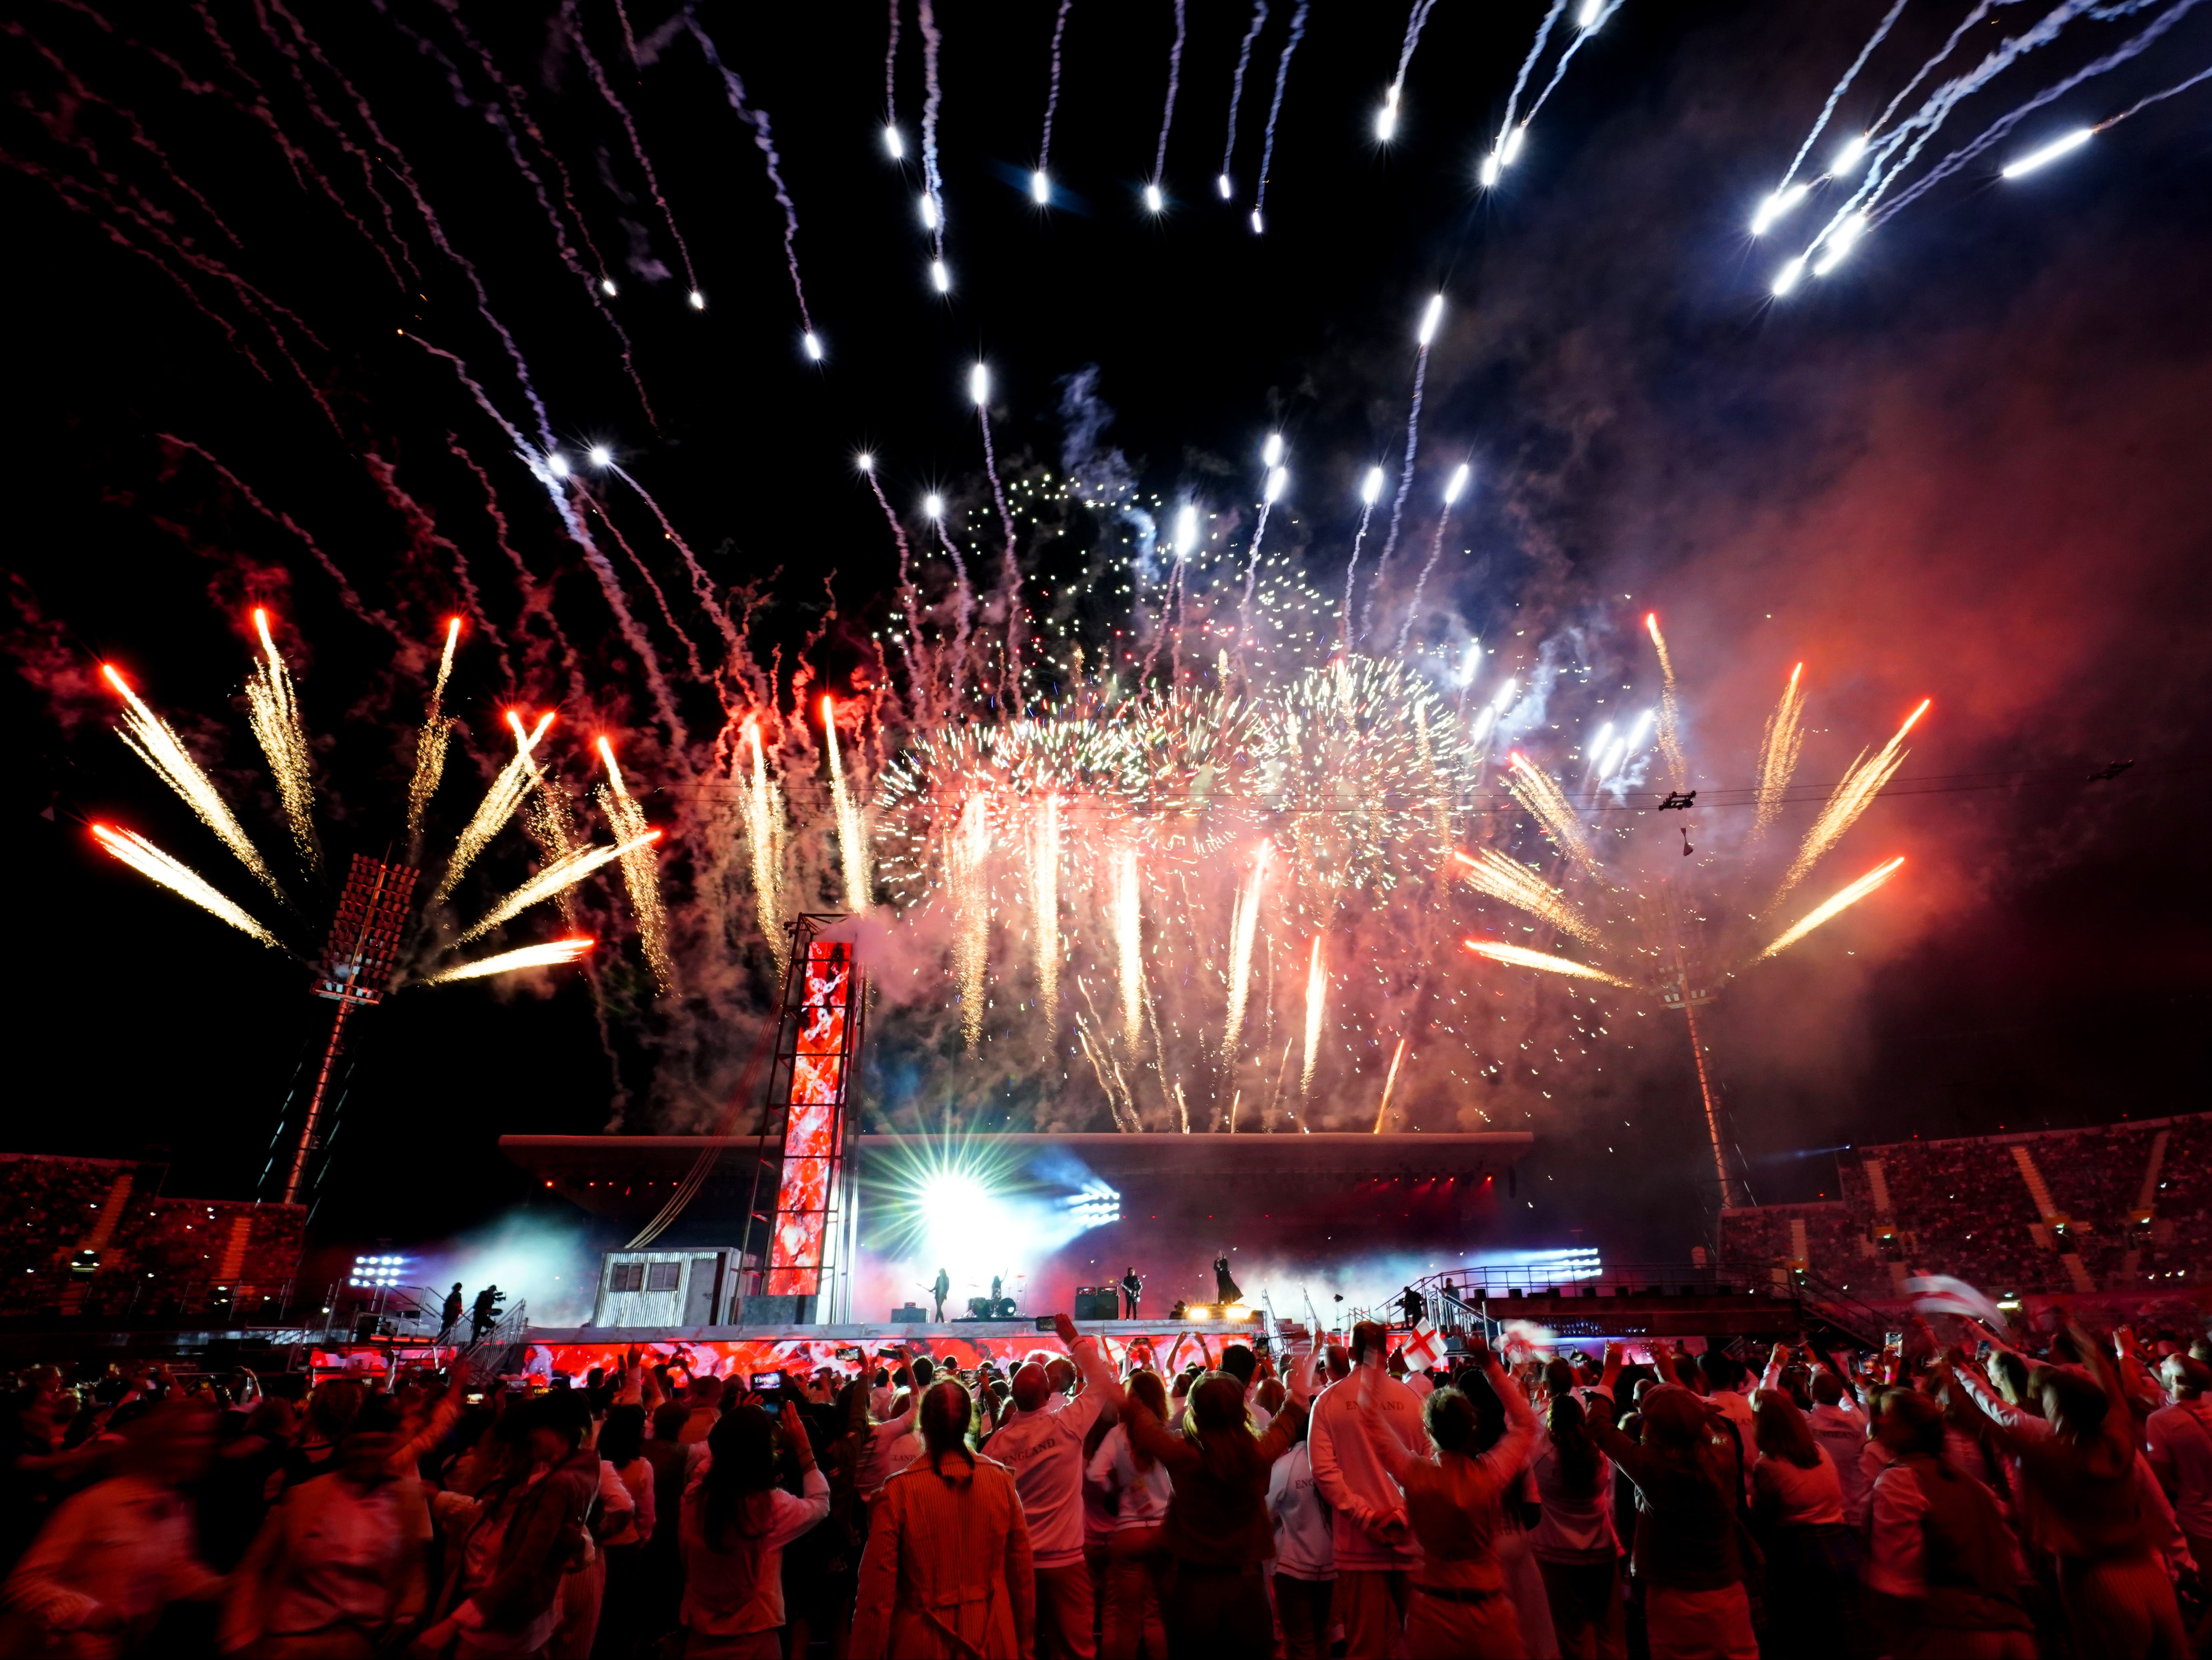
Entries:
{"x":2054,"y":1211}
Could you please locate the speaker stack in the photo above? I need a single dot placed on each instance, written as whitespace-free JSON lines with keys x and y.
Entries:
{"x":1097,"y":1301}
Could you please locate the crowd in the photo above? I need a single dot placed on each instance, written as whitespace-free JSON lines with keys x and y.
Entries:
{"x":1972,"y":1501}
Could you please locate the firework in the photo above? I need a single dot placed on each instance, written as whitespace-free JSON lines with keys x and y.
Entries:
{"x":762,"y":807}
{"x":2050,"y":152}
{"x":273,"y":714}
{"x":1670,"y":709}
{"x":1538,"y":791}
{"x":852,"y":833}
{"x":1316,"y":1007}
{"x":1836,"y":904}
{"x":153,"y":742}
{"x":1521,"y":957}
{"x":1275,"y":110}
{"x":1129,"y":946}
{"x":1153,"y":199}
{"x":1852,"y":797}
{"x":430,"y":745}
{"x":970,"y":850}
{"x":641,"y":871}
{"x":1236,"y":95}
{"x":548,"y":955}
{"x":1389,"y":1082}
{"x":1505,"y":879}
{"x":1044,"y":906}
{"x":557,"y":878}
{"x":1777,"y":753}
{"x":508,"y":787}
{"x":149,"y":861}
{"x":1244,"y":928}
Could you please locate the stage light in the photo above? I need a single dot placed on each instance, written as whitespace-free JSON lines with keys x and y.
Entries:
{"x":1236,"y":1311}
{"x":1198,"y":1311}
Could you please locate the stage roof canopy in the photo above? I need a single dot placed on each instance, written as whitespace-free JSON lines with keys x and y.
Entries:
{"x":634,"y":1175}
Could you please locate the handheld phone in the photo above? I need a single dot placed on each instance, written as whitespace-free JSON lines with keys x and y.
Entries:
{"x":765,"y":1381}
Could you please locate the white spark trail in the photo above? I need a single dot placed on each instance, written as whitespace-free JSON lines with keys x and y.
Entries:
{"x":149,"y":861}
{"x":1275,"y":109}
{"x":1236,"y":93}
{"x":153,"y":742}
{"x":557,"y":878}
{"x":528,"y":956}
{"x":1835,"y":97}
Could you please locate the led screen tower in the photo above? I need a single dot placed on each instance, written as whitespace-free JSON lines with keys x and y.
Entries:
{"x":818,"y":1044}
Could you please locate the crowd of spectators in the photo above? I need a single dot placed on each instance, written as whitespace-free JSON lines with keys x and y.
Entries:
{"x":95,"y":1236}
{"x":1966,"y":1208}
{"x":1924,"y":1501}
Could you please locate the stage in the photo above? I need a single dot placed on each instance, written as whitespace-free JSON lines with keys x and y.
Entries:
{"x":1302,"y":1220}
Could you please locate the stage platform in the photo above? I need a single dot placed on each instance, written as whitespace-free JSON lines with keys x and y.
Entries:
{"x":1039,"y":1326}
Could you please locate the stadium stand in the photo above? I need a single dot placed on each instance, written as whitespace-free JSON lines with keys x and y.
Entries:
{"x":2119,"y":1206}
{"x":96,"y":1236}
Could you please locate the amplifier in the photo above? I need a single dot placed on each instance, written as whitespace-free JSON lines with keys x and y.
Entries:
{"x":909,"y":1315}
{"x":1097,"y":1303}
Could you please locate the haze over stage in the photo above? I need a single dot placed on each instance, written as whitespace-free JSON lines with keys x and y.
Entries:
{"x":624,"y":1176}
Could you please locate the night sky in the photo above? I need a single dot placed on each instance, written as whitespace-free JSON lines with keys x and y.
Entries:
{"x":1969,"y":466}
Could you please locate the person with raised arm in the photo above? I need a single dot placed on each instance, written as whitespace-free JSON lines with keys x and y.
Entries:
{"x":1685,"y":1554}
{"x":1460,"y":1604}
{"x":1043,"y":1445}
{"x":1218,"y":1532}
{"x":2077,"y":1466}
{"x":1374,"y":1557}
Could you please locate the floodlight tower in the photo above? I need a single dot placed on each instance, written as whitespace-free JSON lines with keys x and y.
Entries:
{"x":1684,"y":981}
{"x":356,"y":963}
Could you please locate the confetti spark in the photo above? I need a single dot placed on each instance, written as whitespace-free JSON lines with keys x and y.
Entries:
{"x":548,"y":955}
{"x":1521,"y":957}
{"x":1832,"y":906}
{"x":273,"y":714}
{"x":558,"y":877}
{"x":149,"y":861}
{"x":1044,"y":906}
{"x":153,"y":742}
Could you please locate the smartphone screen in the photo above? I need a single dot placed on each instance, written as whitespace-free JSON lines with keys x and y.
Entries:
{"x":765,"y":1381}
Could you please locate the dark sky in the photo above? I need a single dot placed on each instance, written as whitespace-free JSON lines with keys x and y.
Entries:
{"x":1969,"y":466}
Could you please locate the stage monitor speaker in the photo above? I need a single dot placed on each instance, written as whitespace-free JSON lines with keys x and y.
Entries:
{"x":909,"y":1315}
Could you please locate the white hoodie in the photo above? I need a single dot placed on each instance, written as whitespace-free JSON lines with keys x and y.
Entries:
{"x":1044,"y":1450}
{"x":1305,"y":1542}
{"x":1347,"y":1472}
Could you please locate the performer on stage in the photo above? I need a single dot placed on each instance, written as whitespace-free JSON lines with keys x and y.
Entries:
{"x":1131,"y":1289}
{"x":1225,"y":1288}
{"x":941,"y":1290}
{"x":450,"y":1316}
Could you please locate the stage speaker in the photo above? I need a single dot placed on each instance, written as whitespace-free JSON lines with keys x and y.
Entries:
{"x":1097,"y":1303}
{"x":909,"y":1315}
